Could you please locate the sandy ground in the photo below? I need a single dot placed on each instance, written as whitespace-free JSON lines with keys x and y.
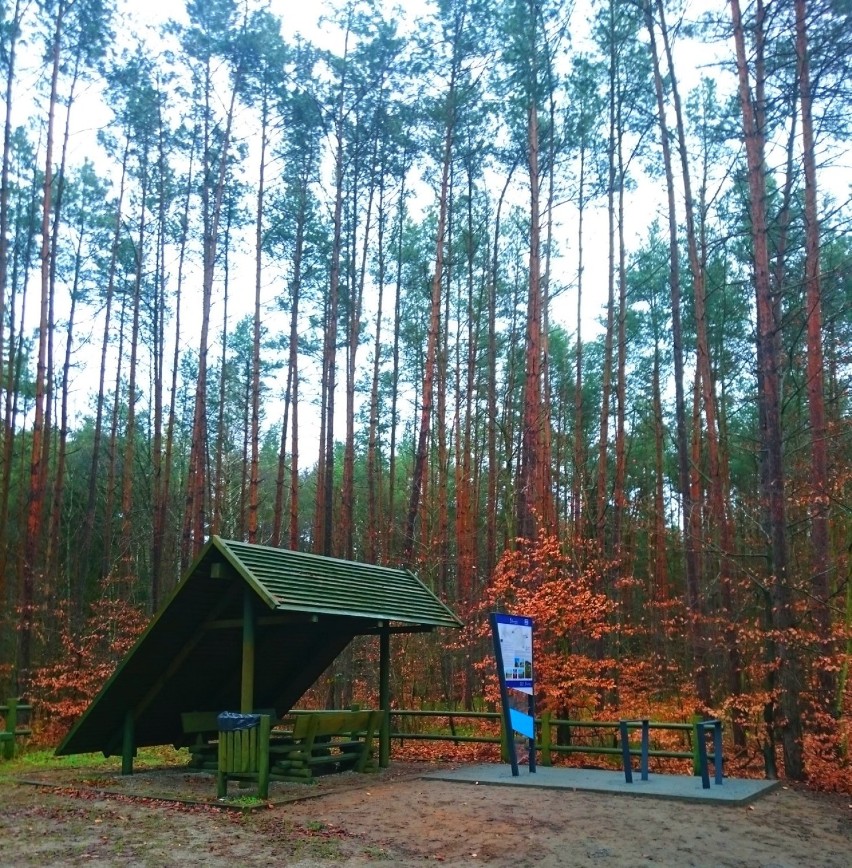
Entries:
{"x":398,"y":818}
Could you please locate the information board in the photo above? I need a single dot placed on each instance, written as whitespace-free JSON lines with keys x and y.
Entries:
{"x":515,"y":635}
{"x":513,"y":653}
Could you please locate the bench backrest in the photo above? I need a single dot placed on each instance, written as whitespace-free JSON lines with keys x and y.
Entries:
{"x":199,"y":721}
{"x":327,"y":723}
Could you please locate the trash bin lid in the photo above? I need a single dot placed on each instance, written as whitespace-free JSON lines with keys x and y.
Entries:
{"x":231,"y":721}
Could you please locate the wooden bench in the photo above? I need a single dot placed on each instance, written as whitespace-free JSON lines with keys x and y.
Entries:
{"x":12,"y":730}
{"x":243,"y":755}
{"x":326,"y":740}
{"x":203,"y":728}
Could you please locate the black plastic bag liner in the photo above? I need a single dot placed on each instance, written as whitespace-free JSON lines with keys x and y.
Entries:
{"x":231,"y":721}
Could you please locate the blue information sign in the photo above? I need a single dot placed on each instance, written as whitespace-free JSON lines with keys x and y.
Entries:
{"x":513,"y":651}
{"x":515,"y":635}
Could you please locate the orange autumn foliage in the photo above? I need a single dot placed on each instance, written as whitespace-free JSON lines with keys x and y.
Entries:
{"x":572,"y":619}
{"x":594,"y":660}
{"x":62,"y":691}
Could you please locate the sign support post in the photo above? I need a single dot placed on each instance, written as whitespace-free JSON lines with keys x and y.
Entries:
{"x":504,"y":699}
{"x":531,"y":711}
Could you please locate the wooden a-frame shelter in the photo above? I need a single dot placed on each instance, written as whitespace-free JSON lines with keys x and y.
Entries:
{"x":250,"y":627}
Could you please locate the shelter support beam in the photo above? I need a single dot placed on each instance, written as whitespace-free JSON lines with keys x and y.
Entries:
{"x":285,"y":620}
{"x":247,"y":683}
{"x":384,"y":696}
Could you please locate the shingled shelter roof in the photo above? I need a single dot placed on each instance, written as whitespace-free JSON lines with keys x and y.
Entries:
{"x":304,"y":610}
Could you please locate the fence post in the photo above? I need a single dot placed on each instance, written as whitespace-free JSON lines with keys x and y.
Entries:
{"x":702,"y":755}
{"x":545,"y":739}
{"x":625,"y":752}
{"x":11,"y":726}
{"x":717,"y":750}
{"x":696,"y":760}
{"x":128,"y":745}
{"x":453,"y":729}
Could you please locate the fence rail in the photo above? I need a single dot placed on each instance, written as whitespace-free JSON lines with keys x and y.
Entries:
{"x":544,"y":726}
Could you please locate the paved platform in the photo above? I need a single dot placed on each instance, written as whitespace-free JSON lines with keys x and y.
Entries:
{"x":734,"y":791}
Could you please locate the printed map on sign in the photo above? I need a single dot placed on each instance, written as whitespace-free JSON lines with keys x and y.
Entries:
{"x":516,"y":647}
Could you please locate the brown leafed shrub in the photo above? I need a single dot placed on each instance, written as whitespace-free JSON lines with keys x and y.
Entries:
{"x":62,"y":691}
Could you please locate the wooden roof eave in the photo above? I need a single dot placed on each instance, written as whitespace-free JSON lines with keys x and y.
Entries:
{"x":230,"y":556}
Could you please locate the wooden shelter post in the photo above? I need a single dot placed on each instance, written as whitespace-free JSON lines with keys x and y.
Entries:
{"x":247,"y":683}
{"x":128,"y":744}
{"x":384,"y":696}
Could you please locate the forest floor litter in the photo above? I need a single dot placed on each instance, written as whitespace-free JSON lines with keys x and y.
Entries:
{"x":166,"y":817}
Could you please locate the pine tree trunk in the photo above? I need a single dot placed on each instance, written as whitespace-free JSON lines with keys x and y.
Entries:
{"x":820,"y":560}
{"x":578,"y":479}
{"x":13,"y":369}
{"x":197,"y":481}
{"x":112,"y":452}
{"x":294,"y":463}
{"x":661,"y":591}
{"x":158,"y":361}
{"x":49,"y":447}
{"x":439,"y":543}
{"x":491,"y":507}
{"x":254,"y":476}
{"x":159,"y":541}
{"x":62,"y":448}
{"x":430,"y":362}
{"x":619,"y":498}
{"x":293,"y":370}
{"x":319,"y":505}
{"x":325,"y":507}
{"x":219,"y":482}
{"x":535,"y":505}
{"x":374,"y":529}
{"x":393,"y":530}
{"x":347,"y":519}
{"x":32,"y":560}
{"x":291,"y":396}
{"x":690,"y":509}
{"x":4,"y":196}
{"x":82,"y":570}
{"x":606,"y":388}
{"x":464,"y":530}
{"x":127,"y":524}
{"x":790,"y":680}
{"x":718,"y":495}
{"x":694,"y":597}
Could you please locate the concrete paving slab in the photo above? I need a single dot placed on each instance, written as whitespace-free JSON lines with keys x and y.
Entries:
{"x":734,"y":791}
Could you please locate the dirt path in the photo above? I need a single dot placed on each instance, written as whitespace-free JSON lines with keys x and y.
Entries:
{"x":400,"y":819}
